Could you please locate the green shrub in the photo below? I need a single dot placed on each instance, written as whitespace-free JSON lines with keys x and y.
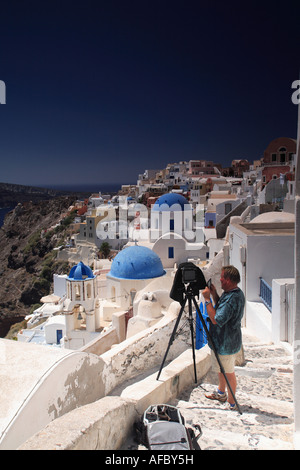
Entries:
{"x":33,"y":240}
{"x":47,"y":273}
{"x":14,"y":329}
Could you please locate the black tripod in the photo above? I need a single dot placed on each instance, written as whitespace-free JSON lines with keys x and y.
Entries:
{"x":189,"y":297}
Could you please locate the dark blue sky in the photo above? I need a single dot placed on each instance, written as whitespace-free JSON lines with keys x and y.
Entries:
{"x":98,"y":91}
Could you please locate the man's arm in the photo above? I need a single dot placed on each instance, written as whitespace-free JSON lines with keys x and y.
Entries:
{"x":214,"y":293}
{"x":209,"y":307}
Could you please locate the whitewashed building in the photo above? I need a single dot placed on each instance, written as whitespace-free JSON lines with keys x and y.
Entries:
{"x":263,"y":251}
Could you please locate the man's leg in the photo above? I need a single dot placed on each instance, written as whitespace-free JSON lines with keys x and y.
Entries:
{"x":232,"y":381}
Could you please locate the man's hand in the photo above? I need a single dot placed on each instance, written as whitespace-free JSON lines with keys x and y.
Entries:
{"x":213,"y":291}
{"x":206,"y":293}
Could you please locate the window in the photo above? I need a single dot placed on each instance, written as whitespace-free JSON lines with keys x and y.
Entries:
{"x":132,"y":296}
{"x":59,"y":335}
{"x":171,"y":252}
{"x":113,"y":294}
{"x":274,"y":157}
{"x":282,"y":158}
{"x":77,"y":292}
{"x":172,"y":225}
{"x":89,"y":291}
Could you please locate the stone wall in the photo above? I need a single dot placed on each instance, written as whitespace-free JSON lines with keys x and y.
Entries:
{"x":109,"y":422}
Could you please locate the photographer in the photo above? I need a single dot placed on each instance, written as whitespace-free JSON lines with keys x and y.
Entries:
{"x":225,"y":329}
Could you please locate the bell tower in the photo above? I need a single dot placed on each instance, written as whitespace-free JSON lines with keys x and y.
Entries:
{"x":81,"y":298}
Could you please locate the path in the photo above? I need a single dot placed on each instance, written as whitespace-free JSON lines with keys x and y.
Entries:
{"x":265,"y":396}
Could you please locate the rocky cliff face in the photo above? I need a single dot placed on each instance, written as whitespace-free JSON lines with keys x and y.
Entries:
{"x":27,"y":259}
{"x":12,"y":194}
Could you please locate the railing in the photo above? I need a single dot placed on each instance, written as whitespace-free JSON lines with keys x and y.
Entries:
{"x":287,"y":163}
{"x":265,"y":293}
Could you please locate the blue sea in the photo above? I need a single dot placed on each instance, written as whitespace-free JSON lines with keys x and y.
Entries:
{"x":3,"y":213}
{"x":104,"y":188}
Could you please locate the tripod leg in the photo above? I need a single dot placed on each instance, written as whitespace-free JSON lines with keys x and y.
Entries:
{"x":171,"y":338}
{"x":216,"y":354}
{"x":192,"y":335}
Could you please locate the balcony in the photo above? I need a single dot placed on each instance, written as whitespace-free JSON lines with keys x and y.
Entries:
{"x":274,"y":317}
{"x":286,"y":163}
{"x":265,"y":293}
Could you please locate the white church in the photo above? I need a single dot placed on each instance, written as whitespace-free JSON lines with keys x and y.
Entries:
{"x":173,"y":235}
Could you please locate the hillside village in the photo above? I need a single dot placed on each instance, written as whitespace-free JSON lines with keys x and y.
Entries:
{"x":112,"y":307}
{"x":194,"y":226}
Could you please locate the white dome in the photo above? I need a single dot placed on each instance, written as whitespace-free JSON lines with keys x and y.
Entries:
{"x":274,"y":217}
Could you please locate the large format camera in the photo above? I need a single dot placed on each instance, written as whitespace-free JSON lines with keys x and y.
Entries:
{"x":189,"y":274}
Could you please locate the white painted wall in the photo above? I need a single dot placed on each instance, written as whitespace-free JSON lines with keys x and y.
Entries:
{"x":93,"y":427}
{"x":59,"y":284}
{"x":52,"y":325}
{"x":282,"y":312}
{"x":45,"y":384}
{"x":181,"y":248}
{"x":259,"y":321}
{"x":267,"y":255}
{"x":50,"y":382}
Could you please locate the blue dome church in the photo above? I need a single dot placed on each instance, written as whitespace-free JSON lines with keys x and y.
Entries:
{"x":81,"y":284}
{"x":80,"y":272}
{"x":171,"y":213}
{"x":171,"y":202}
{"x":80,"y":306}
{"x":136,"y":262}
{"x":132,"y":269}
{"x":174,"y":237}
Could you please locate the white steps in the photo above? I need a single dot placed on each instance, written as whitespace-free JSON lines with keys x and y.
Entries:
{"x":265,"y":396}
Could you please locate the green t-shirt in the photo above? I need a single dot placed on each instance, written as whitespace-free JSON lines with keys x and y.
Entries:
{"x":227,"y":334}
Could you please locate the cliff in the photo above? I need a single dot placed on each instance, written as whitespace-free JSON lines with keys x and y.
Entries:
{"x":12,"y":194}
{"x":27,"y":259}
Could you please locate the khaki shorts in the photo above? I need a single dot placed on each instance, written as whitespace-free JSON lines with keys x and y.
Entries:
{"x":228,"y":362}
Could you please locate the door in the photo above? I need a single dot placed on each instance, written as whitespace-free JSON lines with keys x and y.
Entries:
{"x":59,"y":335}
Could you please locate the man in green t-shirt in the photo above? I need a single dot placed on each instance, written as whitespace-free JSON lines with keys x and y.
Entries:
{"x":225,"y":329}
